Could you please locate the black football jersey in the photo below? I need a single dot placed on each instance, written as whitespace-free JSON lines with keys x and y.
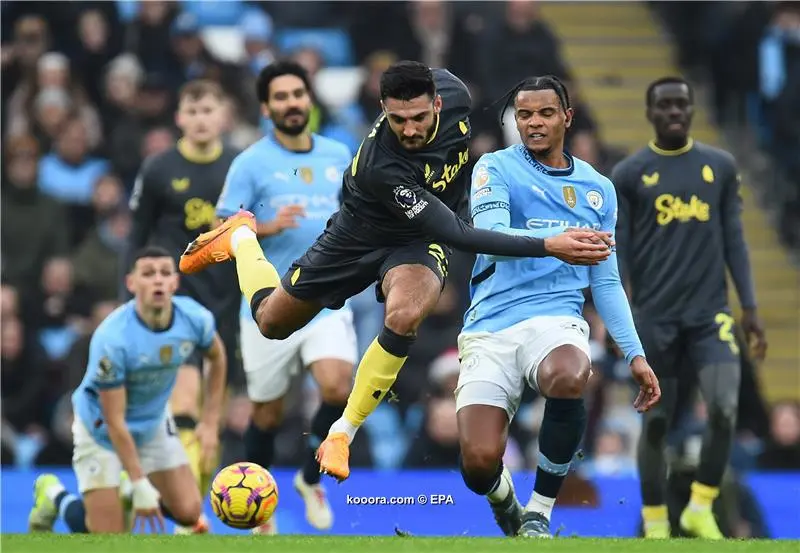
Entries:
{"x":379,"y":186}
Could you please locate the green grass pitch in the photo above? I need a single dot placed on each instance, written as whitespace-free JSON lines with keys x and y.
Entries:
{"x":64,"y":543}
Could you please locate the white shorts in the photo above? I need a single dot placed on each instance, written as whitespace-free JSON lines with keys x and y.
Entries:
{"x":98,"y":467}
{"x":495,"y":366}
{"x":270,"y":364}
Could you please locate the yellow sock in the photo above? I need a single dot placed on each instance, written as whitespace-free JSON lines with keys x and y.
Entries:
{"x":192,"y":448}
{"x":253,"y":269}
{"x":655,"y":514}
{"x":375,"y":375}
{"x":702,"y":496}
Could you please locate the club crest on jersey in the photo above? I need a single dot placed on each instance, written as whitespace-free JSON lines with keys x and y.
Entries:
{"x":165,"y":354}
{"x":306,"y":174}
{"x":650,"y":180}
{"x":595,"y":199}
{"x":569,"y":196}
{"x":332,"y":174}
{"x":186,"y":349}
{"x":708,"y":174}
{"x":180,"y":185}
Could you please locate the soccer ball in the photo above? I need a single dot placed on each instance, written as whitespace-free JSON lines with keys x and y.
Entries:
{"x":244,"y":495}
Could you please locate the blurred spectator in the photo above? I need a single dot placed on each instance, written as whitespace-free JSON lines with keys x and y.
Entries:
{"x":60,"y":310}
{"x":98,"y":259}
{"x":148,"y":37}
{"x":156,"y":141}
{"x":19,"y":57}
{"x":585,"y":145}
{"x":521,"y":44}
{"x":57,"y":449}
{"x":69,"y":173}
{"x":52,"y":74}
{"x":9,"y":302}
{"x":26,"y":241}
{"x":97,"y":47}
{"x":612,"y":456}
{"x":782,"y":450}
{"x":436,"y":444}
{"x":23,"y":376}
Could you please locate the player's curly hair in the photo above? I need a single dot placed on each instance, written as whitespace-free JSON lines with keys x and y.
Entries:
{"x":543,"y":82}
{"x":279,"y":69}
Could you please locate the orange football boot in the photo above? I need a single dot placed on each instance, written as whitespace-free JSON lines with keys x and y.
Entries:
{"x":333,"y":456}
{"x":214,"y":246}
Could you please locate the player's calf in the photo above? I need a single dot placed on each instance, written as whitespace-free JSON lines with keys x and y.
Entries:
{"x":180,"y":498}
{"x":561,"y":377}
{"x":482,"y":433}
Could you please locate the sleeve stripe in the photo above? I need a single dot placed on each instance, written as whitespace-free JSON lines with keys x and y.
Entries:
{"x":490,"y":205}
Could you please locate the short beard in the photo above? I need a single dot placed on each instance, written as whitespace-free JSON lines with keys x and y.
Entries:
{"x":293,"y":130}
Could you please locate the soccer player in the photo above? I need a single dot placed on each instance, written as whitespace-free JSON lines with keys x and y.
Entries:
{"x":172,"y":203}
{"x":122,"y":419}
{"x":524,"y":323}
{"x":679,"y":227}
{"x":291,"y":180}
{"x":398,"y":220}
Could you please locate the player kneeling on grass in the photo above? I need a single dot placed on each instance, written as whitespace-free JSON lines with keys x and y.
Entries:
{"x":524,"y":325}
{"x":122,"y":421}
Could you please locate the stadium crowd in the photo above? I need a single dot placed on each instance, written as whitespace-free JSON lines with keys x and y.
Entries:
{"x":88,"y":93}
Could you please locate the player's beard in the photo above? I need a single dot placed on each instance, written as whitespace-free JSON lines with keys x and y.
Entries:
{"x":291,"y":130}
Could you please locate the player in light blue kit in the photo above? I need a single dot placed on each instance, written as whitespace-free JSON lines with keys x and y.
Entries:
{"x":524,"y":324}
{"x":122,"y":421}
{"x":291,"y":181}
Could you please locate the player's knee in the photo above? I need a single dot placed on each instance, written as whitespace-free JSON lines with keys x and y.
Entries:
{"x":479,"y":457}
{"x":655,"y":427}
{"x":567,"y":382}
{"x":337,"y":392}
{"x":404,"y":320}
{"x":187,"y":510}
{"x":722,"y":413}
{"x":267,"y":416}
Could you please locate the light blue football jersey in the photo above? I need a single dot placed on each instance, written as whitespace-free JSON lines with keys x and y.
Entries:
{"x":126,"y":352}
{"x":267,"y":176}
{"x":513,"y":193}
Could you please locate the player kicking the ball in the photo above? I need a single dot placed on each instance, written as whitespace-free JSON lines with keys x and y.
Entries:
{"x":399,"y":218}
{"x":291,"y":180}
{"x":122,"y":422}
{"x":524,"y":325}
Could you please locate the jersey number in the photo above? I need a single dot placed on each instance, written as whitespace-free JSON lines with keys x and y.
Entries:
{"x":725,"y":323}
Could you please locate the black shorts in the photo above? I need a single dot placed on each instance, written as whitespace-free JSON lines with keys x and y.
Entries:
{"x":669,"y":346}
{"x":335,"y":269}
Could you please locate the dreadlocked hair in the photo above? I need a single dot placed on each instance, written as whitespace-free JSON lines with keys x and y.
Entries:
{"x":544,"y":82}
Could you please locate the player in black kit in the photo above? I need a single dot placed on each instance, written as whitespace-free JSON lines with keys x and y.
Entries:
{"x":173,"y":202}
{"x":679,"y":229}
{"x":396,"y":225}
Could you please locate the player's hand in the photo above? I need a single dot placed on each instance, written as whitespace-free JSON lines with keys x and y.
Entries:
{"x":577,"y":247}
{"x":287,"y":217}
{"x":754,"y":333}
{"x":598,"y":237}
{"x":207,"y":435}
{"x":649,"y":390}
{"x":145,"y":498}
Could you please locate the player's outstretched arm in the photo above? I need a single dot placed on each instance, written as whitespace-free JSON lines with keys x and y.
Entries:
{"x":491,"y":210}
{"x":208,"y":428}
{"x":413,"y":203}
{"x":737,"y":257}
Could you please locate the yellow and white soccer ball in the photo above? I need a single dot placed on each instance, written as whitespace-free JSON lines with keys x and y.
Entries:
{"x":244,"y":495}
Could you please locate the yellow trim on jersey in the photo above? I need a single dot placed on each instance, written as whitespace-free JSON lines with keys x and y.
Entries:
{"x":679,"y":151}
{"x":190,"y":154}
{"x":435,"y":130}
